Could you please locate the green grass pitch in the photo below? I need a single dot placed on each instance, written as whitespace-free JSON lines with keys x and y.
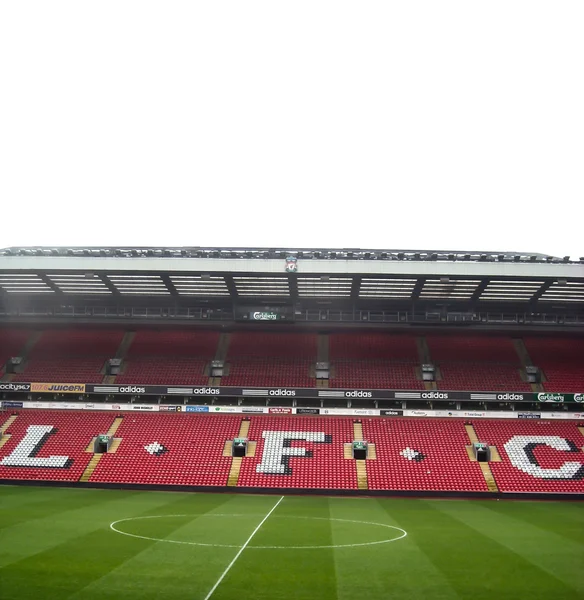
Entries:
{"x":58,"y":544}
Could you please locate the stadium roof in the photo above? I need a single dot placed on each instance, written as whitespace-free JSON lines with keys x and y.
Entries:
{"x":253,"y":274}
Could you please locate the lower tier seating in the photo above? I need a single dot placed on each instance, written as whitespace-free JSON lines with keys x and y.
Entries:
{"x":537,"y":455}
{"x":50,"y":444}
{"x":415,"y":454}
{"x":173,"y":449}
{"x":299,"y":452}
{"x":291,"y":451}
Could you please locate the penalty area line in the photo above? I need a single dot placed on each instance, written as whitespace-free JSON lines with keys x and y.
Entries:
{"x":249,"y":539}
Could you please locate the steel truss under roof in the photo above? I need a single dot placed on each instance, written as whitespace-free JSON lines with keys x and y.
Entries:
{"x":244,"y":275}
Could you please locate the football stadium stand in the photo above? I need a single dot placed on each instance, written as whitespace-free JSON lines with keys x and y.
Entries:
{"x":472,"y":362}
{"x":272,"y":359}
{"x":374,"y":360}
{"x":538,"y":456}
{"x":293,"y":452}
{"x":421,"y":455}
{"x":349,"y":370}
{"x":12,"y":342}
{"x":299,"y":452}
{"x":49,"y":445}
{"x":561,"y":361}
{"x":171,"y":357}
{"x":72,"y":355}
{"x":172,"y":450}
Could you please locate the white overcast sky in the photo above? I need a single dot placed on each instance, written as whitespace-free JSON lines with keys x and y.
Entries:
{"x":411,"y":124}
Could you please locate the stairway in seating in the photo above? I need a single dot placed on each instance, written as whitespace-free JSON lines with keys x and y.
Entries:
{"x":28,"y":346}
{"x":8,"y":422}
{"x":121,"y":353}
{"x":97,"y":457}
{"x":233,"y":477}
{"x":488,"y":475}
{"x":526,"y":361}
{"x":485,"y":467}
{"x":115,"y":425}
{"x":472,"y":435}
{"x":360,"y":465}
{"x":4,"y":428}
{"x":90,"y":467}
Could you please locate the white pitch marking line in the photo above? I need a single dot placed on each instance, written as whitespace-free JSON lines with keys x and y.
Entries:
{"x":242,"y":549}
{"x":143,"y":537}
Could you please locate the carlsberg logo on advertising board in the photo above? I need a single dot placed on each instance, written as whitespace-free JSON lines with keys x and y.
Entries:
{"x":578,"y":397}
{"x":550,"y":397}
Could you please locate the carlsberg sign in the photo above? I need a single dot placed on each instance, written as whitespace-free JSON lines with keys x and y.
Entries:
{"x":550,"y":397}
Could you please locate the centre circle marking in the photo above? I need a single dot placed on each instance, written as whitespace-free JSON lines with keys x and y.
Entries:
{"x":403,"y":532}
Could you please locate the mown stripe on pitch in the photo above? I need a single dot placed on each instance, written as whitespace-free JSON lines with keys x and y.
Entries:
{"x":177,"y":570}
{"x":74,"y":563}
{"x":78,"y":516}
{"x":287,"y":574}
{"x":553,"y":554}
{"x":43,"y":504}
{"x":476,"y":565}
{"x":388,"y":571}
{"x":548,"y":516}
{"x":71,"y":566}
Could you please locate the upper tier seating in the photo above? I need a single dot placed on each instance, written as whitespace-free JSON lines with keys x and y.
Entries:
{"x":171,"y":449}
{"x":71,"y":355}
{"x":70,"y":434}
{"x":272,"y":372}
{"x":12,"y":342}
{"x":561,"y":360}
{"x":375,"y":374}
{"x":481,"y":377}
{"x":374,"y":360}
{"x":169,"y":357}
{"x":482,"y":363}
{"x":325,"y":467}
{"x":372,"y":346}
{"x":533,"y":459}
{"x":278,"y":345}
{"x":270,"y":359}
{"x":416,"y":454}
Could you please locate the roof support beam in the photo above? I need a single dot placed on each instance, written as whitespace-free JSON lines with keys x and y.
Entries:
{"x":481,"y":287}
{"x":45,"y":279}
{"x":418,"y":288}
{"x":293,"y":287}
{"x":230,"y":283}
{"x":169,"y":285}
{"x":545,"y":286}
{"x":355,"y":288}
{"x":109,"y":285}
